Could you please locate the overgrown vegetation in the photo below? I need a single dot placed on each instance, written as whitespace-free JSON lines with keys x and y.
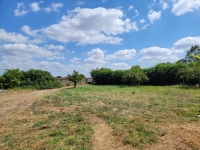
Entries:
{"x":184,"y":71}
{"x":39,"y":79}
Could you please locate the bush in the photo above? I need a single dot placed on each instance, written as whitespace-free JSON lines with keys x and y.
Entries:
{"x":38,"y":79}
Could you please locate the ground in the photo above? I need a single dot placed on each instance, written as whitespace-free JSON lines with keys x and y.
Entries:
{"x":14,"y":104}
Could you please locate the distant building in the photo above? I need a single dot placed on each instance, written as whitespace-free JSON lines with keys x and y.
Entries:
{"x":89,"y":80}
{"x":66,"y":82}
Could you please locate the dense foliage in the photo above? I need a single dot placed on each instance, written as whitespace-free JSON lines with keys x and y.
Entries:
{"x":75,"y":77}
{"x":39,"y":79}
{"x":105,"y":76}
{"x":184,"y":71}
{"x":169,"y":74}
{"x":194,"y":51}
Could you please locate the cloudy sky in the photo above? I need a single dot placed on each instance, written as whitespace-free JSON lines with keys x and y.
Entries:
{"x":62,"y":35}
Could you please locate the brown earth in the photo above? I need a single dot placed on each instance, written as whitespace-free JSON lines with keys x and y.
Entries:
{"x":178,"y":137}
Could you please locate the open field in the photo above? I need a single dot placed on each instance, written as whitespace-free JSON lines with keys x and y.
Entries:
{"x":105,"y":117}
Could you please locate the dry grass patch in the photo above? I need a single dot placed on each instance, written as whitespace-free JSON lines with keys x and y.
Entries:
{"x":141,"y":117}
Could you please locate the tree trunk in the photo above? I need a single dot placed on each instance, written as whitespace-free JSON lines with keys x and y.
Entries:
{"x":74,"y":84}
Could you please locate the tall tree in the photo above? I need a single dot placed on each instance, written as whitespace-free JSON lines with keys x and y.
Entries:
{"x":75,"y":77}
{"x":194,"y":51}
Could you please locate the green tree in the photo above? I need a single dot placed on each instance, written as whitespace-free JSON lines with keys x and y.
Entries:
{"x":197,"y":60}
{"x":11,"y":78}
{"x":134,"y":76}
{"x":39,"y":79}
{"x":194,"y":51}
{"x":75,"y":77}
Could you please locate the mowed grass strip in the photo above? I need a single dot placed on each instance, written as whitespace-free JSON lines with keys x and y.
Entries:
{"x":138,"y":115}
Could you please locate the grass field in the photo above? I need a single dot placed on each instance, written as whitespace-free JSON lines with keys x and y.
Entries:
{"x":138,"y":116}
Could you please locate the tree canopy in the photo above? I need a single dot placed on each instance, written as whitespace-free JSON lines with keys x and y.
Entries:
{"x":194,"y":51}
{"x":75,"y":77}
{"x":39,"y":79}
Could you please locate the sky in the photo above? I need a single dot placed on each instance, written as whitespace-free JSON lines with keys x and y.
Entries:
{"x":62,"y":35}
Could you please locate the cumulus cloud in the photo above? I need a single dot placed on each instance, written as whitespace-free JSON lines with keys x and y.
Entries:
{"x":130,"y":7}
{"x":122,"y":54}
{"x":79,"y":3}
{"x":153,"y":15}
{"x":187,"y":42}
{"x":95,"y":56}
{"x":75,"y":60}
{"x":54,"y":7}
{"x":91,"y":26}
{"x":120,"y":66}
{"x":55,"y":47}
{"x":181,"y":7}
{"x":56,"y":58}
{"x":12,"y":37}
{"x":164,"y":4}
{"x":158,"y":54}
{"x":26,"y":29}
{"x":28,"y":51}
{"x":35,"y":6}
{"x":20,"y":10}
{"x":142,"y":21}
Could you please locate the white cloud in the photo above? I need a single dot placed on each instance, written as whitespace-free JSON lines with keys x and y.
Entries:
{"x":136,"y":14}
{"x":187,"y":42}
{"x":130,"y":7}
{"x":120,"y":66}
{"x":48,"y":9}
{"x":181,"y":7}
{"x":79,"y":3}
{"x":55,"y":47}
{"x":56,"y":6}
{"x":10,"y":51}
{"x":122,"y":54}
{"x":164,"y":4}
{"x":153,"y":15}
{"x":145,"y":26}
{"x":56,"y":57}
{"x":96,"y":56}
{"x":142,"y":21}
{"x":35,"y":6}
{"x":157,"y":55}
{"x":84,"y":25}
{"x":104,"y":1}
{"x":20,"y":10}
{"x":75,"y":60}
{"x":12,"y":37}
{"x":26,"y":29}
{"x":53,"y":7}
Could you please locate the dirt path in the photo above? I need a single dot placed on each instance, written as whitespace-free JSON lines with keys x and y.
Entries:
{"x":14,"y":102}
{"x":103,"y":138}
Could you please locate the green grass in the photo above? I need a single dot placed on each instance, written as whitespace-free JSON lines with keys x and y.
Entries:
{"x":135,"y":113}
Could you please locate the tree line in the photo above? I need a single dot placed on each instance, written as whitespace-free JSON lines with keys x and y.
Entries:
{"x":38,"y":79}
{"x":184,"y":71}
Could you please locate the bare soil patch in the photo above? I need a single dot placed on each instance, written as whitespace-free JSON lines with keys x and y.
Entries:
{"x":103,"y":138}
{"x":179,"y":137}
{"x":14,"y":102}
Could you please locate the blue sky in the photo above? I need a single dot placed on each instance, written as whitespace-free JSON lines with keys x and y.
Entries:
{"x":60,"y":36}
